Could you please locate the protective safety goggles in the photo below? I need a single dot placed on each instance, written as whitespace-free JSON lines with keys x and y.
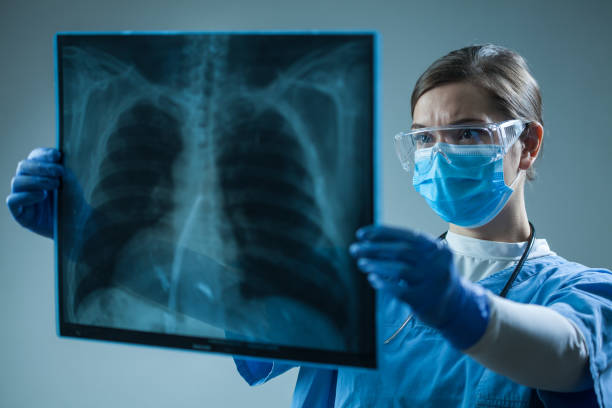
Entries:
{"x":500,"y":135}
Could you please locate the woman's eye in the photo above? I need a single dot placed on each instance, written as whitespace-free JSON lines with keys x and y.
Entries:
{"x":469,"y":134}
{"x":473,"y":135}
{"x":424,"y":138}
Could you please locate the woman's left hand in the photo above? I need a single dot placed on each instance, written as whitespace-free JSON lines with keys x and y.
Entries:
{"x":419,"y":270}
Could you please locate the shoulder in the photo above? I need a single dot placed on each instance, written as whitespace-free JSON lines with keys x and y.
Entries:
{"x":551,"y":278}
{"x":555,"y":280}
{"x":558,"y":268}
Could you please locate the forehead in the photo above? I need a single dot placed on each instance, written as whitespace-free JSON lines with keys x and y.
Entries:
{"x":449,"y":103}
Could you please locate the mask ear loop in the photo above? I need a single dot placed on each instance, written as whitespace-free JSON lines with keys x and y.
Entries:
{"x":516,"y":179}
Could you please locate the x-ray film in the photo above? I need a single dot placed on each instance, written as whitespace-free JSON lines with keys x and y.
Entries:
{"x":214,"y":182}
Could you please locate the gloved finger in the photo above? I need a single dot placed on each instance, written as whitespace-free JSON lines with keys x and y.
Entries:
{"x":385,"y":250}
{"x":384,"y":233}
{"x":39,"y":168}
{"x":47,"y":154}
{"x":394,"y":287}
{"x":390,"y":270}
{"x":33,"y":183}
{"x":16,"y":201}
{"x":403,"y":290}
{"x":376,"y":282}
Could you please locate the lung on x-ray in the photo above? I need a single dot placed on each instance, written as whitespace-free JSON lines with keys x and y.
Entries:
{"x":214,"y":182}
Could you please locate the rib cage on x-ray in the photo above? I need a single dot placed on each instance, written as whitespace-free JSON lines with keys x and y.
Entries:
{"x":210,"y":195}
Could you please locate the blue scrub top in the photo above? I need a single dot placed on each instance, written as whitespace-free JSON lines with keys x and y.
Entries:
{"x":420,"y":368}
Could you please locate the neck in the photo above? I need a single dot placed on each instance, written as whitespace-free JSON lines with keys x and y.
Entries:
{"x":510,"y":225}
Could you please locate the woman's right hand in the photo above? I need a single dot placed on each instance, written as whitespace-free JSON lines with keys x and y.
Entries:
{"x":31,"y":198}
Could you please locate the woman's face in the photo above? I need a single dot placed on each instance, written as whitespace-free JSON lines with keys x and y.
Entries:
{"x":463,"y":102}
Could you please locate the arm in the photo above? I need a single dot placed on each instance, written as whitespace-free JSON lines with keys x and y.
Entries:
{"x":257,"y":372}
{"x":526,"y":343}
{"x":253,"y":371}
{"x":534,"y":346}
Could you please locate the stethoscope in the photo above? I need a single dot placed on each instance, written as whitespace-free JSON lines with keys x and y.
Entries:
{"x":503,"y":292}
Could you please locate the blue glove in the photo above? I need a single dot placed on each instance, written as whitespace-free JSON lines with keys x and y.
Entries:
{"x":31,"y":198}
{"x":419,"y":270}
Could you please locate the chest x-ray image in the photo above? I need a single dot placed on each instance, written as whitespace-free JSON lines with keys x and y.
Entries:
{"x":214,"y":182}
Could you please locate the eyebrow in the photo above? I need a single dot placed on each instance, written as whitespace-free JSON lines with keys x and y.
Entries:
{"x":456,"y":122}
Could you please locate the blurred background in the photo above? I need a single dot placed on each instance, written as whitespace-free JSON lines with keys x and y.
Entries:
{"x":565,"y":43}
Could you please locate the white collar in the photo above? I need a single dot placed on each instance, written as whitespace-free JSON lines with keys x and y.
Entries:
{"x":494,"y":250}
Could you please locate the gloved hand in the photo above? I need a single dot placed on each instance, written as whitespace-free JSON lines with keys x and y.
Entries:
{"x":419,"y":270}
{"x":31,"y":198}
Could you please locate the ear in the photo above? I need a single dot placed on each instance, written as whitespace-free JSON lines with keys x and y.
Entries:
{"x":531,"y":140}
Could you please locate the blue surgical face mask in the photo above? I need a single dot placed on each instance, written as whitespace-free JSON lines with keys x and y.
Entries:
{"x":463,"y":184}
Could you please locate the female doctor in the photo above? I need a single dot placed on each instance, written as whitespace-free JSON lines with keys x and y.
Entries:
{"x":485,"y":315}
{"x":535,"y":329}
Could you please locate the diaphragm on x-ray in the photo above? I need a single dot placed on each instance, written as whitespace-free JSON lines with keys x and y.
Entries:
{"x":214,"y":182}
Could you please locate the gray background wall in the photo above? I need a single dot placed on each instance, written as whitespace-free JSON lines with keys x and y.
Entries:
{"x":566,"y":43}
